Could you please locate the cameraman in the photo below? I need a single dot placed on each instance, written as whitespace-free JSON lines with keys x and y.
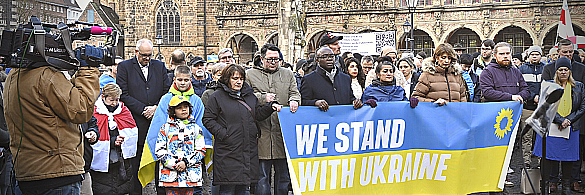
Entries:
{"x":48,"y":151}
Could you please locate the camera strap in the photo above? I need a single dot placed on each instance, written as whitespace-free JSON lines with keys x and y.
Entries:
{"x":40,"y":33}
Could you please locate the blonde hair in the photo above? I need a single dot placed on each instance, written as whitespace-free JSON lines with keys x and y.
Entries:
{"x":571,"y":81}
{"x":111,"y":90}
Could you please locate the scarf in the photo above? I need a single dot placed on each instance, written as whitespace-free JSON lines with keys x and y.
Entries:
{"x":330,"y":75}
{"x":120,"y":119}
{"x":566,"y":103}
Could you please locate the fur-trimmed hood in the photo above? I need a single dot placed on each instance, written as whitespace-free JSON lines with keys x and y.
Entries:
{"x":429,"y":66}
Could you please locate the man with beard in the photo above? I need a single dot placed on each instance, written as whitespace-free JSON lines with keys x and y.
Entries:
{"x":486,"y":57}
{"x":327,"y":85}
{"x":200,"y":76}
{"x":500,"y":81}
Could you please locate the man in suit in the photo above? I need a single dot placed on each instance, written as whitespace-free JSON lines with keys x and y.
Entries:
{"x":143,"y":81}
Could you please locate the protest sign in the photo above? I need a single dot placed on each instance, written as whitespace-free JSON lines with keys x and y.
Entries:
{"x":459,"y":148}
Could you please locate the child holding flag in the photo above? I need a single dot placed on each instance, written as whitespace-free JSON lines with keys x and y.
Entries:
{"x":180,"y":147}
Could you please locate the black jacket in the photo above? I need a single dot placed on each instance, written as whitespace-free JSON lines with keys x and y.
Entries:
{"x":138,"y":92}
{"x":578,"y":73}
{"x":413,"y":82}
{"x":91,"y":125}
{"x":532,"y":75}
{"x":317,"y":86}
{"x":235,"y":151}
{"x":578,"y":107}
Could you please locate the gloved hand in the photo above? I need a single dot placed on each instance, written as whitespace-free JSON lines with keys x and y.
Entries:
{"x":83,"y":63}
{"x":413,"y":102}
{"x":371,"y":102}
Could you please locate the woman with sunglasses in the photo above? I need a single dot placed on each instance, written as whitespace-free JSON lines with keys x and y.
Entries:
{"x":441,"y":80}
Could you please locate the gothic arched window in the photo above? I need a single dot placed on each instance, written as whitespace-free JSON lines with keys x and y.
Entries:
{"x":168,"y":23}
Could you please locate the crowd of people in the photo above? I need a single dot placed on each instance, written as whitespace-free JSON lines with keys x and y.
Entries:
{"x":86,"y":132}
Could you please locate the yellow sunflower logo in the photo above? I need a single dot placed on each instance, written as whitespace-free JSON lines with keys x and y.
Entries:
{"x":504,"y":113}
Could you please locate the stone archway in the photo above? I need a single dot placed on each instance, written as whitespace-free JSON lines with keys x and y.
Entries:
{"x":273,"y":39}
{"x":550,"y":39}
{"x":244,"y":47}
{"x":422,"y":42}
{"x":468,"y":38}
{"x":515,"y":36}
{"x":313,"y":42}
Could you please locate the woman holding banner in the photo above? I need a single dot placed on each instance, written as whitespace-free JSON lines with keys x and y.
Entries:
{"x":441,"y":80}
{"x":384,"y":88}
{"x":230,"y":115}
{"x":571,"y":108}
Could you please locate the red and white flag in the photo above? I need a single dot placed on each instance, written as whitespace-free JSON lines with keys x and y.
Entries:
{"x":579,"y":41}
{"x":565,"y":29}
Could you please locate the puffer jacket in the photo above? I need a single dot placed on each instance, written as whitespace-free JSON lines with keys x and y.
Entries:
{"x":52,"y":108}
{"x":235,"y":150}
{"x":532,"y":74}
{"x":281,"y":82}
{"x":436,"y":82}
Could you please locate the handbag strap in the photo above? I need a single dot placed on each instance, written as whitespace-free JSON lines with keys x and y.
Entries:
{"x":248,"y":107}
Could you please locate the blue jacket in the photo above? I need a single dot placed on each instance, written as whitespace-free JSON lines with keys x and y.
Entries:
{"x":317,"y":86}
{"x":384,"y":93}
{"x":532,"y":74}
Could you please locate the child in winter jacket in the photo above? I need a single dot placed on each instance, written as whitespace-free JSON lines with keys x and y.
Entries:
{"x":180,"y":147}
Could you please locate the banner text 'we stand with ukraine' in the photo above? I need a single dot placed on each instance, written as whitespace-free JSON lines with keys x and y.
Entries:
{"x":459,"y":148}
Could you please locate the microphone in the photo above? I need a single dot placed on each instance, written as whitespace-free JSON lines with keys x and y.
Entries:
{"x":97,"y":30}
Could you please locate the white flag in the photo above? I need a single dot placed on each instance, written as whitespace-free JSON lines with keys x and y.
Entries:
{"x":565,"y":29}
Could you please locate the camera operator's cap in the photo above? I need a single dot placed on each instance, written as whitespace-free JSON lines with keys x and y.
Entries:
{"x":196,"y":60}
{"x":176,"y":100}
{"x":329,"y":38}
{"x":458,"y":47}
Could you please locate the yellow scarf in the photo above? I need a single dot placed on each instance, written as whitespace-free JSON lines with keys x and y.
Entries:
{"x":566,"y":104}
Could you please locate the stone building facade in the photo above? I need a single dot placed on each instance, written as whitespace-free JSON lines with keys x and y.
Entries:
{"x":298,"y":25}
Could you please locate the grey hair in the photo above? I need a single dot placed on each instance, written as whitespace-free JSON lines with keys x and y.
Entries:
{"x":143,"y":41}
{"x":218,"y":67}
{"x":224,"y":50}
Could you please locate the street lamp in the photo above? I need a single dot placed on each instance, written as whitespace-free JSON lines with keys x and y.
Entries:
{"x":411,"y":9}
{"x":159,"y":42}
{"x":407,"y":27}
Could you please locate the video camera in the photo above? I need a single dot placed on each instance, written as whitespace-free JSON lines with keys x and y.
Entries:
{"x":32,"y":46}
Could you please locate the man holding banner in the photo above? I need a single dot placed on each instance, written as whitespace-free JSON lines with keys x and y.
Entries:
{"x":327,"y":85}
{"x":332,"y":41}
{"x":273,"y":80}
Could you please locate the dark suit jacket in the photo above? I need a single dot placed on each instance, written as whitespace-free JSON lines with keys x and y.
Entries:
{"x":138,"y":92}
{"x":317,"y":86}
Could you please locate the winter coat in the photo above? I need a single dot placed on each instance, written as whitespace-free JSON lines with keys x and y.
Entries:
{"x":499,"y":83}
{"x":281,"y":82}
{"x":578,"y":73}
{"x":317,"y":86}
{"x":235,"y":150}
{"x":577,"y":109}
{"x":52,"y":108}
{"x":436,"y":82}
{"x":180,"y":141}
{"x":384,"y":93}
{"x":532,"y":74}
{"x":199,"y":85}
{"x":413,"y":82}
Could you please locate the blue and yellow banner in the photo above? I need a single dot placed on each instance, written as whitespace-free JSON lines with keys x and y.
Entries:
{"x":459,"y":148}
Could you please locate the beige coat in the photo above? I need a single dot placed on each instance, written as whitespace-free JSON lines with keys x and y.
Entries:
{"x":283,"y":83}
{"x":434,"y":83}
{"x":52,"y":108}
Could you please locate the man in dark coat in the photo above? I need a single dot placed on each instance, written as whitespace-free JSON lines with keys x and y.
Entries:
{"x":143,"y":82}
{"x":200,"y":77}
{"x":327,"y":85}
{"x":501,"y":81}
{"x":578,"y":72}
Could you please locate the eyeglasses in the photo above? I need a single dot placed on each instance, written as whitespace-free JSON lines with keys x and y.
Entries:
{"x":145,"y":55}
{"x":272,"y":60}
{"x":226,"y":57}
{"x":330,"y":56}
